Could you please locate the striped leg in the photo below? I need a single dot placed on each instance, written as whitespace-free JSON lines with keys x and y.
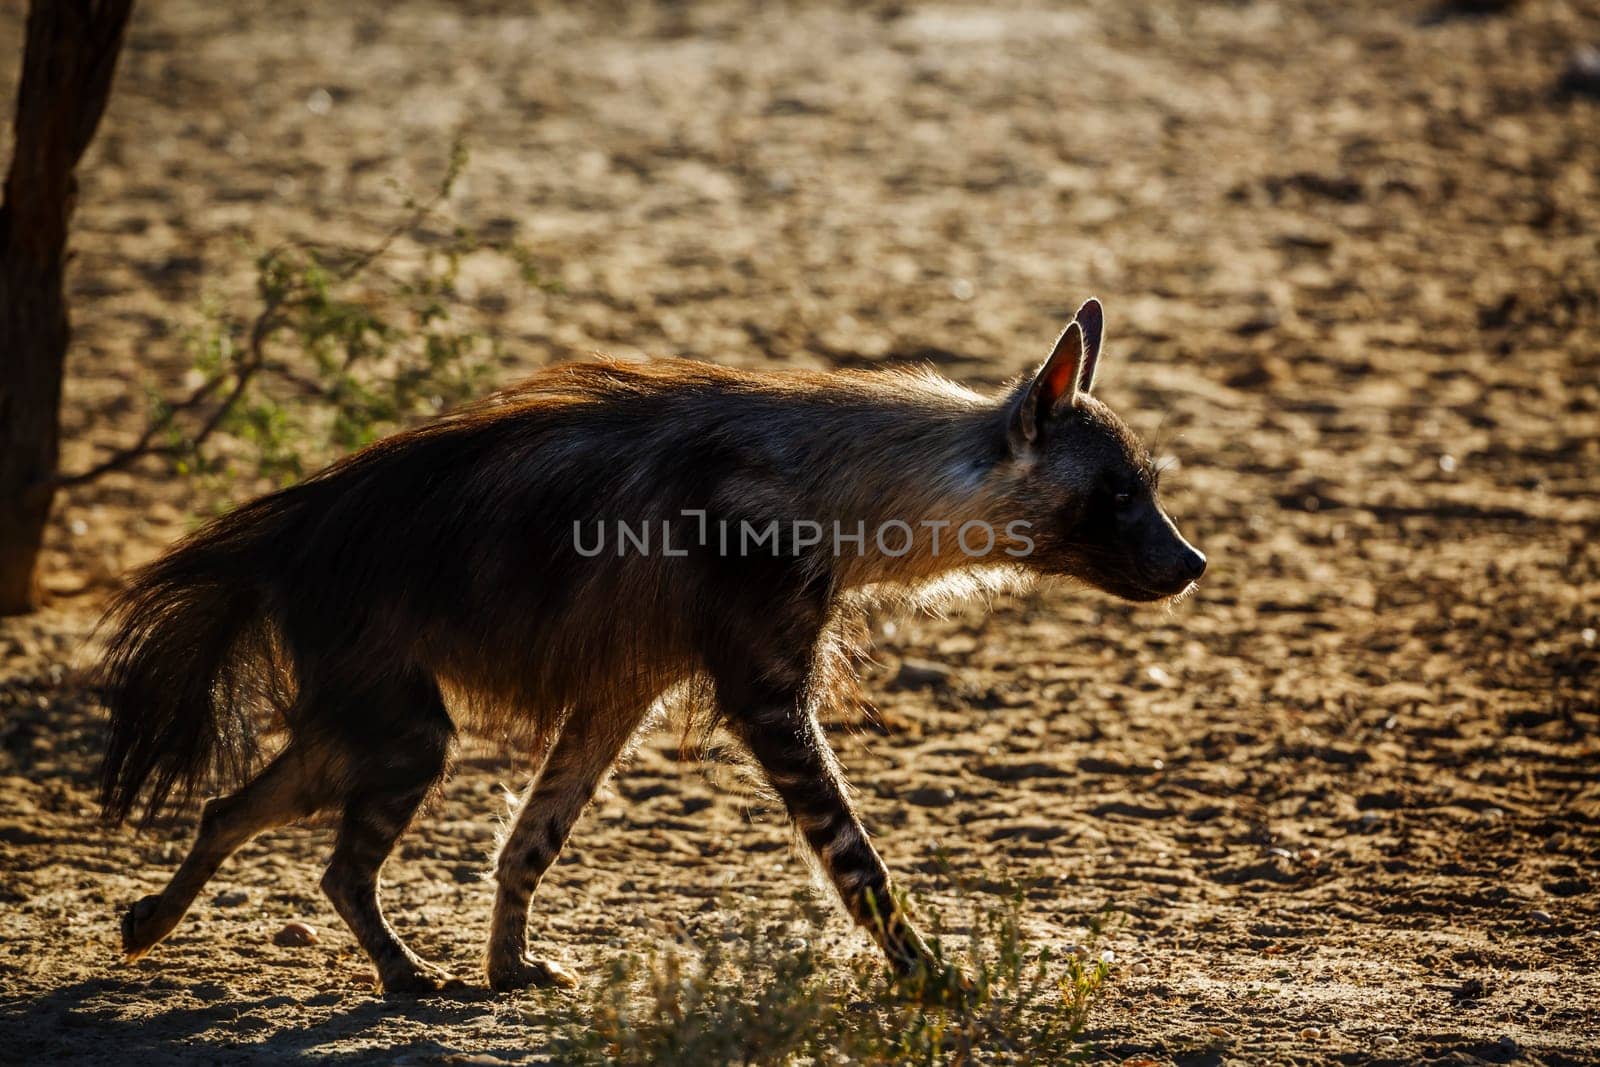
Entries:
{"x":579,"y":761}
{"x":787,"y":741}
{"x":390,"y":782}
{"x":287,"y":790}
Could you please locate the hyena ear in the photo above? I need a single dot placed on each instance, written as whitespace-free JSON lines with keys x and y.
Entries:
{"x":1053,"y":388}
{"x":1092,"y":320}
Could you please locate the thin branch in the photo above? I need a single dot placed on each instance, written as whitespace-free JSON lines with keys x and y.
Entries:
{"x":266,"y":323}
{"x":144,"y":447}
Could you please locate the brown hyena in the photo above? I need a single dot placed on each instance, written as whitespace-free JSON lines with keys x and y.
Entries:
{"x":547,"y":563}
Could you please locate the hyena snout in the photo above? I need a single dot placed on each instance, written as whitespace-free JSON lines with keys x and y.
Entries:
{"x":1164,"y":563}
{"x":1191,"y":564}
{"x":1173,"y":564}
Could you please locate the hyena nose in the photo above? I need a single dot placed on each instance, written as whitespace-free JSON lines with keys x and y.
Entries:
{"x":1193,"y":564}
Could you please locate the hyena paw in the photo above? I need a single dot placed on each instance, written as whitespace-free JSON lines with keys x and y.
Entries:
{"x":416,"y":979}
{"x":524,"y":973}
{"x":933,"y":981}
{"x":143,"y":926}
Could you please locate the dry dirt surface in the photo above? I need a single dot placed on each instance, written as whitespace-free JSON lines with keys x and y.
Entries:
{"x":1341,"y":805}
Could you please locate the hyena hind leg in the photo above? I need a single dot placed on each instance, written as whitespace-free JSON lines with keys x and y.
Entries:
{"x":404,"y":737}
{"x":291,"y":787}
{"x":578,"y":763}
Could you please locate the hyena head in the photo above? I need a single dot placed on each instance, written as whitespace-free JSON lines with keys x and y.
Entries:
{"x":1086,"y":484}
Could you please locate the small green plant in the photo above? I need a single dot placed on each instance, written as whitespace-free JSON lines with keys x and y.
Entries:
{"x":752,"y":996}
{"x":342,"y":346}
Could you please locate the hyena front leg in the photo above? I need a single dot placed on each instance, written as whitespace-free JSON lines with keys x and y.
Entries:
{"x":578,"y":763}
{"x":787,"y":741}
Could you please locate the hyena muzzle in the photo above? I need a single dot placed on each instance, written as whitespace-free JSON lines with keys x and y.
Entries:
{"x":447,"y":578}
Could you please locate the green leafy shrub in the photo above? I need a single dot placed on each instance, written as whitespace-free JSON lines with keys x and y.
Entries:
{"x":339,"y":347}
{"x":747,"y":997}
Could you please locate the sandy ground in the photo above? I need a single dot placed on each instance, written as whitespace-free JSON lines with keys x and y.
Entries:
{"x":1342,"y":804}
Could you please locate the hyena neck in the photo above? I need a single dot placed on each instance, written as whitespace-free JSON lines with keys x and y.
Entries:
{"x":926,"y":489}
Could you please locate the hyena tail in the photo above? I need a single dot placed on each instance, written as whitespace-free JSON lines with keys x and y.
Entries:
{"x":194,"y":640}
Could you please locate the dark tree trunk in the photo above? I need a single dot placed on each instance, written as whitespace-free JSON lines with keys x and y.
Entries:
{"x":67,"y":64}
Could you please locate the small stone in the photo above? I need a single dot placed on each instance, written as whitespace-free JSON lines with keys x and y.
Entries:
{"x":1310,"y":855}
{"x":1542,"y":917}
{"x":1508,"y":1044}
{"x":1261,"y":322}
{"x":929,"y":796}
{"x":920,"y":674}
{"x":1311,"y":1033}
{"x":62,"y":583}
{"x":1582,"y":75}
{"x":230,"y":898}
{"x":1140,"y":969}
{"x":1386,"y":1040}
{"x":1158,"y":676}
{"x":295,"y":935}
